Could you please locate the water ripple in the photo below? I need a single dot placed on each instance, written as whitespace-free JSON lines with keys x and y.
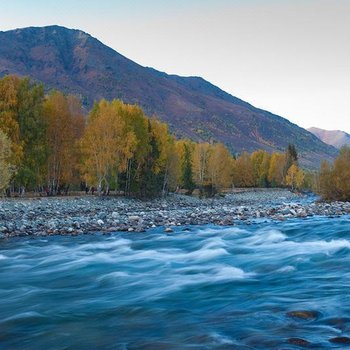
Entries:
{"x":203,"y":288}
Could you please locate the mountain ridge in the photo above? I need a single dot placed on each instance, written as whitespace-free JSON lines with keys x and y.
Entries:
{"x":335,"y":138}
{"x":76,"y":62}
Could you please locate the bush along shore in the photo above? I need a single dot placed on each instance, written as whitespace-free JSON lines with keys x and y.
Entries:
{"x":89,"y":214}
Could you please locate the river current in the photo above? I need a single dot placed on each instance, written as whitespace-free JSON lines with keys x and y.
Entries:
{"x":197,"y":288}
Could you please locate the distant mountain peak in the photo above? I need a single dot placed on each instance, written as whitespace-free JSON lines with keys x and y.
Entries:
{"x":75,"y":62}
{"x":336,"y":138}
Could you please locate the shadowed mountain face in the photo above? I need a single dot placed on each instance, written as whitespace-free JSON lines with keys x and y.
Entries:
{"x":75,"y":62}
{"x":334,"y":138}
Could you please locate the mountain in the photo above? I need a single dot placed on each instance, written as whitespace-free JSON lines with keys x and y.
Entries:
{"x":334,"y":138}
{"x":75,"y":62}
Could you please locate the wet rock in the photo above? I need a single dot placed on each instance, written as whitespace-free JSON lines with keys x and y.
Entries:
{"x":298,"y":341}
{"x":340,"y":323}
{"x":303,"y":314}
{"x":112,"y":229}
{"x":168,"y":230}
{"x":340,"y":340}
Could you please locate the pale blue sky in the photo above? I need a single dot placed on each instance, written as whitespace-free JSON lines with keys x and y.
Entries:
{"x":291,"y":57}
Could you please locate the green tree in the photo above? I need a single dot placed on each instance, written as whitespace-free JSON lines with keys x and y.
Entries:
{"x":186,"y":167}
{"x":32,"y":127}
{"x":291,"y":157}
{"x":150,"y":173}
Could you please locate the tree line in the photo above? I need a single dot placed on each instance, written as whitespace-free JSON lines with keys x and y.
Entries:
{"x":48,"y":145}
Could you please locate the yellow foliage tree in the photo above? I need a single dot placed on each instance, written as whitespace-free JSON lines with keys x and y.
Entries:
{"x":106,"y":145}
{"x":167,"y":163}
{"x":276,"y":169}
{"x":8,"y":116}
{"x":244,"y":171}
{"x":64,"y":127}
{"x":295,"y":177}
{"x":201,"y":155}
{"x":261,"y":163}
{"x":334,"y":181}
{"x":6,"y":169}
{"x":341,"y":174}
{"x":220,"y":166}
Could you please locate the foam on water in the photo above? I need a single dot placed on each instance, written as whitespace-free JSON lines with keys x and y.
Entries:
{"x":286,"y":269}
{"x":267,"y":237}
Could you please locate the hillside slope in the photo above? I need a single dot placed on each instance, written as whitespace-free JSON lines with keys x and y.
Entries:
{"x":75,"y":62}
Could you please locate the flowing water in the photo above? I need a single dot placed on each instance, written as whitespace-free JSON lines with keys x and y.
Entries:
{"x":197,"y":288}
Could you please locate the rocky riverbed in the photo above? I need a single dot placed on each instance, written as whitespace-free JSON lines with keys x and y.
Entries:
{"x":85,"y":214}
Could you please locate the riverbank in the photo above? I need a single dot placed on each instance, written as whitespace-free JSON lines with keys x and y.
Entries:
{"x":86,"y":214}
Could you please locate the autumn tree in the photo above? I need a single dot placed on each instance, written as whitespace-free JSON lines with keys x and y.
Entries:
{"x":6,"y":169}
{"x":327,"y":187}
{"x":334,"y":180}
{"x":165,"y":166}
{"x":136,"y":125}
{"x":261,"y":164}
{"x":9,"y":123}
{"x":295,"y":177}
{"x":244,"y":171}
{"x":220,"y":166}
{"x":276,"y":170}
{"x":201,"y":157}
{"x":61,"y":137}
{"x":106,"y":145}
{"x":341,"y":174}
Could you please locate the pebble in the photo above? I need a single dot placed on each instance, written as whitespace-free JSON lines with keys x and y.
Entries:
{"x":85,"y":214}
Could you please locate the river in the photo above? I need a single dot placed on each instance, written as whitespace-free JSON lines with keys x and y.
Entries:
{"x":203,"y":287}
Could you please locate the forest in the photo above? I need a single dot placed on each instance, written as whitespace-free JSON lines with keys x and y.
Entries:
{"x":49,"y":146}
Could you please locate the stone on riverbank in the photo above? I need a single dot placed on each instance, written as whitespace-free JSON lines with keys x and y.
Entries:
{"x":26,"y":217}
